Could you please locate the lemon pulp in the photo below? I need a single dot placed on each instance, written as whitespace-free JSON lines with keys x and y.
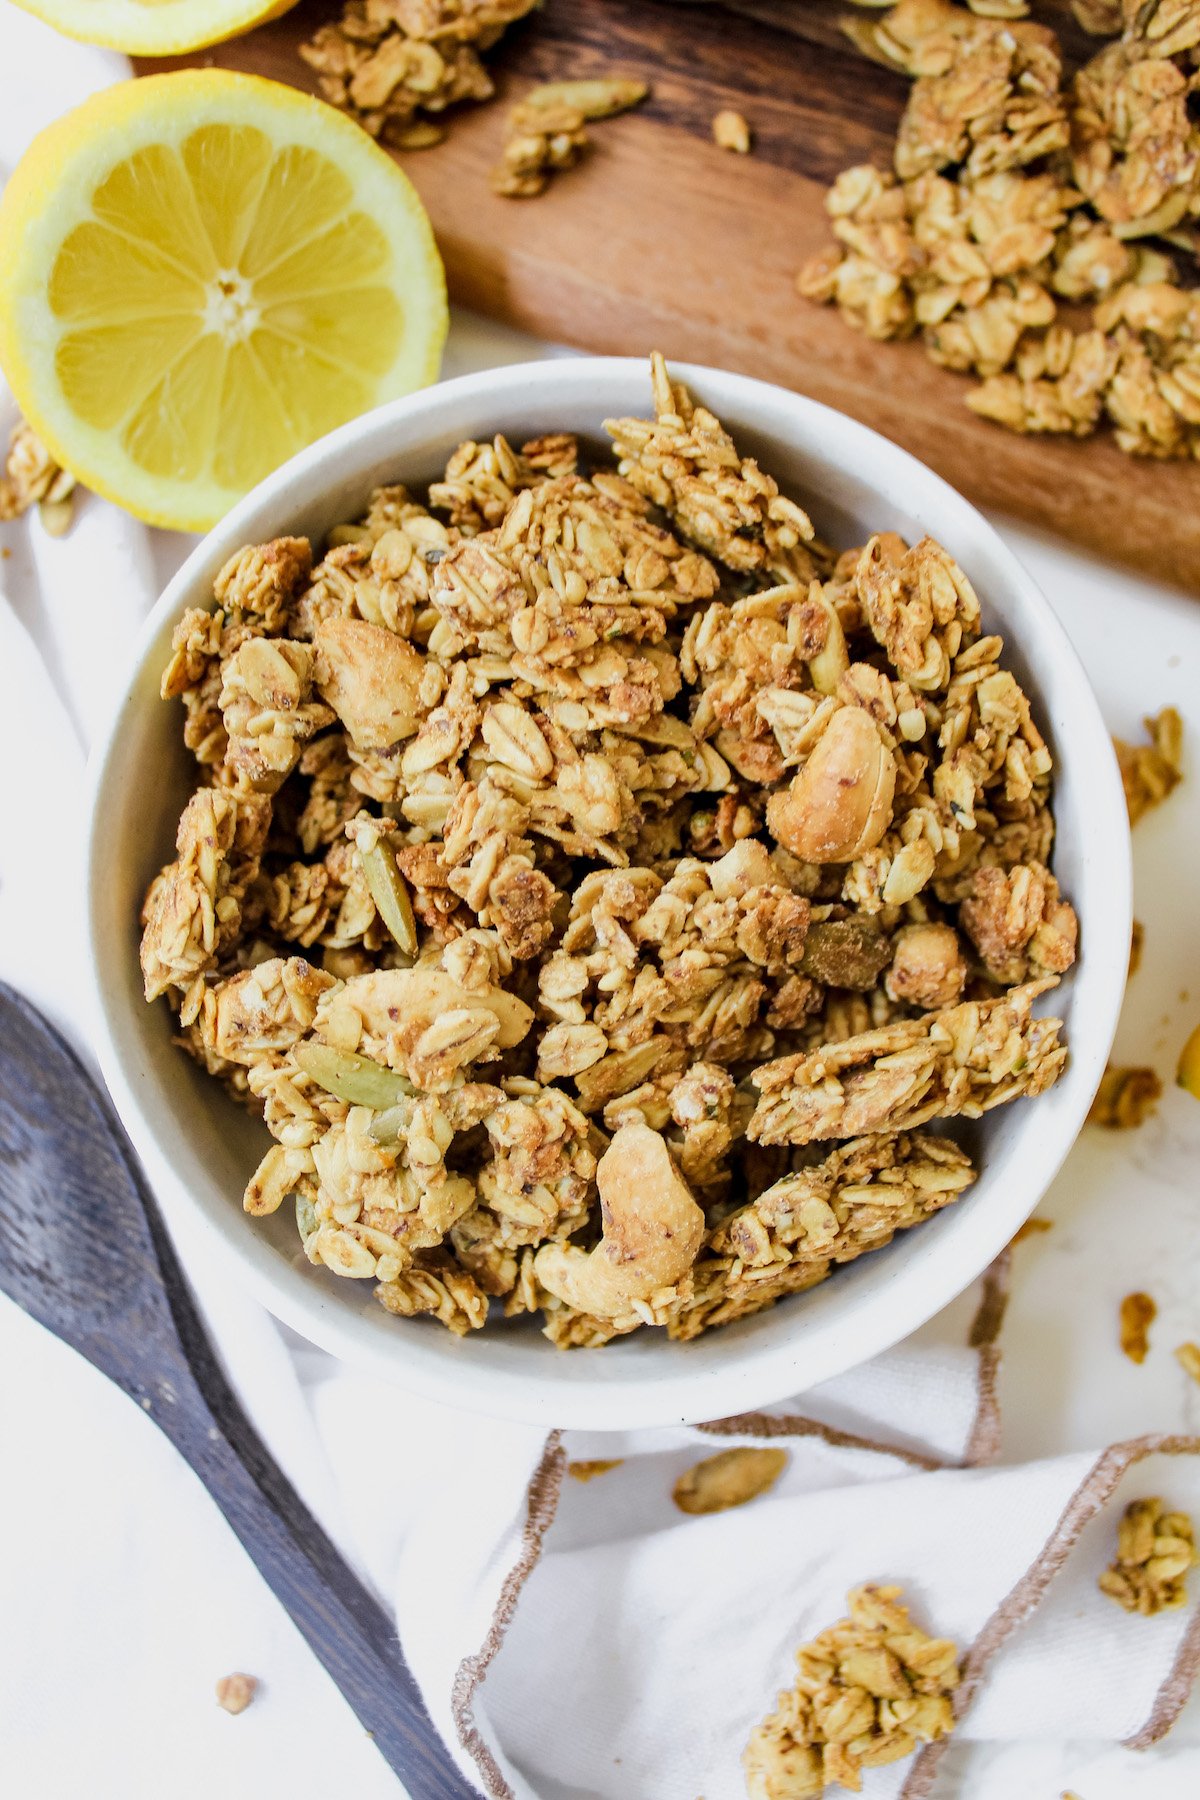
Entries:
{"x":225,"y":293}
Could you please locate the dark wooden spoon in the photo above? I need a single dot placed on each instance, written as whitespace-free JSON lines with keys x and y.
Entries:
{"x":84,"y":1251}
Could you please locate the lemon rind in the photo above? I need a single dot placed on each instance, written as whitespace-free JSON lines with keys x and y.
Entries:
{"x":158,"y":30}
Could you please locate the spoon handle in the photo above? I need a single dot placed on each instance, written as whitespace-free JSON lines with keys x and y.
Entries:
{"x":343,"y":1624}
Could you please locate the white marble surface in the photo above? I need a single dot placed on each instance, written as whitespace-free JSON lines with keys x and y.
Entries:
{"x":125,"y":1596}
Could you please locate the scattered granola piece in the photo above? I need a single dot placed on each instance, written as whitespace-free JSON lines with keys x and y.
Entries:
{"x":545,"y":132}
{"x":1031,"y":1228}
{"x":1155,"y":1550}
{"x":870,"y":1689}
{"x":235,"y":1692}
{"x":731,"y":1478}
{"x":1138,"y":1313}
{"x":1125,"y":1099}
{"x":1150,"y":771}
{"x":31,"y":477}
{"x":590,"y":1468}
{"x":1188,"y":1358}
{"x":1136,"y":943}
{"x":731,"y":132}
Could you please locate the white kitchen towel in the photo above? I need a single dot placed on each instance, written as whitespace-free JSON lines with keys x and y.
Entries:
{"x":579,"y":1641}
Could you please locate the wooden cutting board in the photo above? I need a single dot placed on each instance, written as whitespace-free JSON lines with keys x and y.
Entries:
{"x":660,"y":240}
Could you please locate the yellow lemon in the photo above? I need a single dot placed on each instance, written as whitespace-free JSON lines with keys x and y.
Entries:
{"x":154,"y":27}
{"x":202,"y":272}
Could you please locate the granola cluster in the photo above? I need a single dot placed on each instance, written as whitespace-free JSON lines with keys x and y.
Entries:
{"x":395,"y":66}
{"x":1155,"y":1550}
{"x":870,"y":1689}
{"x":598,"y":884}
{"x":31,"y":477}
{"x":1016,"y":194}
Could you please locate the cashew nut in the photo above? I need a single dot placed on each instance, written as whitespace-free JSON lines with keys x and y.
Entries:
{"x":840,"y":803}
{"x":371,"y":678}
{"x":652,"y":1231}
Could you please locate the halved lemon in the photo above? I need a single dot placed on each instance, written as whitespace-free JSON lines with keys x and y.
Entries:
{"x":202,"y":272}
{"x":155,"y":27}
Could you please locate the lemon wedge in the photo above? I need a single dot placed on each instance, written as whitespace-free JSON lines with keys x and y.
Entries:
{"x":154,"y":27}
{"x":202,"y":272}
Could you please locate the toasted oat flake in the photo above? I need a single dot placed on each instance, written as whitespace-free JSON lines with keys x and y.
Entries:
{"x":731,"y":1478}
{"x":574,"y":846}
{"x":1138,"y":1313}
{"x":731,"y":132}
{"x":1155,"y":1550}
{"x":1188,"y":1358}
{"x":870,"y":1689}
{"x":590,"y":1468}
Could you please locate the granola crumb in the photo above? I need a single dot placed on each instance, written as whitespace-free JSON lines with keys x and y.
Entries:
{"x":1014,"y":189}
{"x":1149,"y":772}
{"x":731,"y":132}
{"x":731,"y":1478}
{"x":1155,"y":1550}
{"x":1031,"y":1228}
{"x":1138,"y":1313}
{"x":590,"y":1468}
{"x":1125,"y":1099}
{"x":1136,"y":944}
{"x":235,"y":1692}
{"x":1188,"y":1358}
{"x":870,"y":1689}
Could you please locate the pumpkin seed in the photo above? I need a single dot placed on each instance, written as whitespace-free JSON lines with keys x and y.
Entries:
{"x":390,"y":894}
{"x":351,"y":1077}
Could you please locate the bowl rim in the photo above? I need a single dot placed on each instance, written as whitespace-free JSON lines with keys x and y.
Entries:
{"x":763,"y":1374}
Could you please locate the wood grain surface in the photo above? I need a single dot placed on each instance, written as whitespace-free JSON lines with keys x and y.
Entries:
{"x":660,"y":240}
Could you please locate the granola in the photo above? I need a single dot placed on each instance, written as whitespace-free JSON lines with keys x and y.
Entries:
{"x":1155,"y":1550}
{"x":396,"y":65}
{"x":1126,"y":1098}
{"x":31,"y":477}
{"x":545,"y":131}
{"x":731,"y":131}
{"x":1149,"y":772}
{"x":1013,"y":191}
{"x":1138,"y":1313}
{"x":730,"y":1478}
{"x":595,"y":882}
{"x":870,"y":1689}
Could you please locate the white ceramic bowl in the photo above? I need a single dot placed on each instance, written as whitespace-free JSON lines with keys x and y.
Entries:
{"x":199,"y":1148}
